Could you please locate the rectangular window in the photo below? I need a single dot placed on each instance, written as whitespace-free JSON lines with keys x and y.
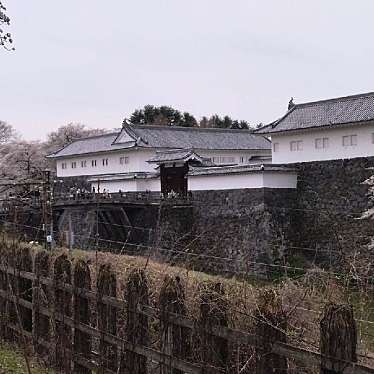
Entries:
{"x":353,"y":139}
{"x":73,"y":165}
{"x":64,"y":165}
{"x":349,"y":140}
{"x":216,"y":160}
{"x":83,"y":164}
{"x":322,"y":143}
{"x":275,"y":147}
{"x":346,"y":141}
{"x":105,"y":162}
{"x":93,"y":163}
{"x":124,"y":160}
{"x":227,"y":160}
{"x":242,"y":159}
{"x":296,"y":145}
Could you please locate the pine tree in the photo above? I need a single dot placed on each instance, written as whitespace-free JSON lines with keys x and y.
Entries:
{"x":189,"y":120}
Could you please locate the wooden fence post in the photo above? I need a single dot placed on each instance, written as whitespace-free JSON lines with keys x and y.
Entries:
{"x":174,"y":339}
{"x":24,"y":288}
{"x":107,"y":318}
{"x":137,"y":325}
{"x":41,"y":297}
{"x":338,"y":340}
{"x":62,"y":309}
{"x":82,"y":340}
{"x":4,"y":288}
{"x":12,"y":285}
{"x":213,"y":312}
{"x":271,"y":326}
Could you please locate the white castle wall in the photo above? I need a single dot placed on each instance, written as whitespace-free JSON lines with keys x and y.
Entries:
{"x":335,"y":150}
{"x":266,"y":179}
{"x":260,"y":179}
{"x":137,"y":161}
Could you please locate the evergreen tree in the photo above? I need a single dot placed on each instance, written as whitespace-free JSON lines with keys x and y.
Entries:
{"x":215,"y":121}
{"x":244,"y":125}
{"x":188,"y":120}
{"x":204,"y":122}
{"x":137,"y":116}
{"x":150,"y":113}
{"x":227,"y":122}
{"x":167,"y":116}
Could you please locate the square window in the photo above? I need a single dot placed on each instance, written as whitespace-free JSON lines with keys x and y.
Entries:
{"x":296,"y":145}
{"x":349,"y":140}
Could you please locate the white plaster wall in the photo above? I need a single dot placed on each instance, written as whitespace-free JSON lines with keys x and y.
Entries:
{"x":115,"y":186}
{"x":129,"y":185}
{"x":208,"y":182}
{"x":236,"y":154}
{"x":238,"y":181}
{"x":152,"y":184}
{"x":335,"y":150}
{"x":279,"y":180}
{"x":137,"y":162}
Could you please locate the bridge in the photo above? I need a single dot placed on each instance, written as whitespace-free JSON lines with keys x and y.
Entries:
{"x":113,"y":221}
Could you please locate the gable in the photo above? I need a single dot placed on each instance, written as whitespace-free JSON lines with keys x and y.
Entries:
{"x":352,"y":110}
{"x":124,"y":137}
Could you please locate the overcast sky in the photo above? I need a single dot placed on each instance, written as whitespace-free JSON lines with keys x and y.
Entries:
{"x":94,"y":62}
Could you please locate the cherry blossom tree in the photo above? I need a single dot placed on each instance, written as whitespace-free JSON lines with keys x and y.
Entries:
{"x":5,"y":37}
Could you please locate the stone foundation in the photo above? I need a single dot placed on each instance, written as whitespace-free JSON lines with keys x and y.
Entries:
{"x":331,"y":197}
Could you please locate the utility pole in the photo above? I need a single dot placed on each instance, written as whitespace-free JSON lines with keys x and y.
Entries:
{"x":47,"y":209}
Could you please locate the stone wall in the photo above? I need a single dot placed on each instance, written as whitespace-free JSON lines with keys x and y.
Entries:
{"x":240,"y":231}
{"x":320,"y":223}
{"x":331,"y":198}
{"x":246,"y":231}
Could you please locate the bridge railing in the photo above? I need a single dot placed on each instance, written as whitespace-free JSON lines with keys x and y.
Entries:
{"x":136,"y":197}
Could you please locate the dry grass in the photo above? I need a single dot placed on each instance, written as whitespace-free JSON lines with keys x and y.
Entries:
{"x":13,"y":362}
{"x":302,"y":300}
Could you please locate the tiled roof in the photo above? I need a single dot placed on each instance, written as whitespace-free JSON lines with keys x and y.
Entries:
{"x":192,"y":137}
{"x":93,"y":144}
{"x":325,"y":113}
{"x":166,"y":137}
{"x":122,"y":176}
{"x":175,"y":155}
{"x":239,"y":169}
